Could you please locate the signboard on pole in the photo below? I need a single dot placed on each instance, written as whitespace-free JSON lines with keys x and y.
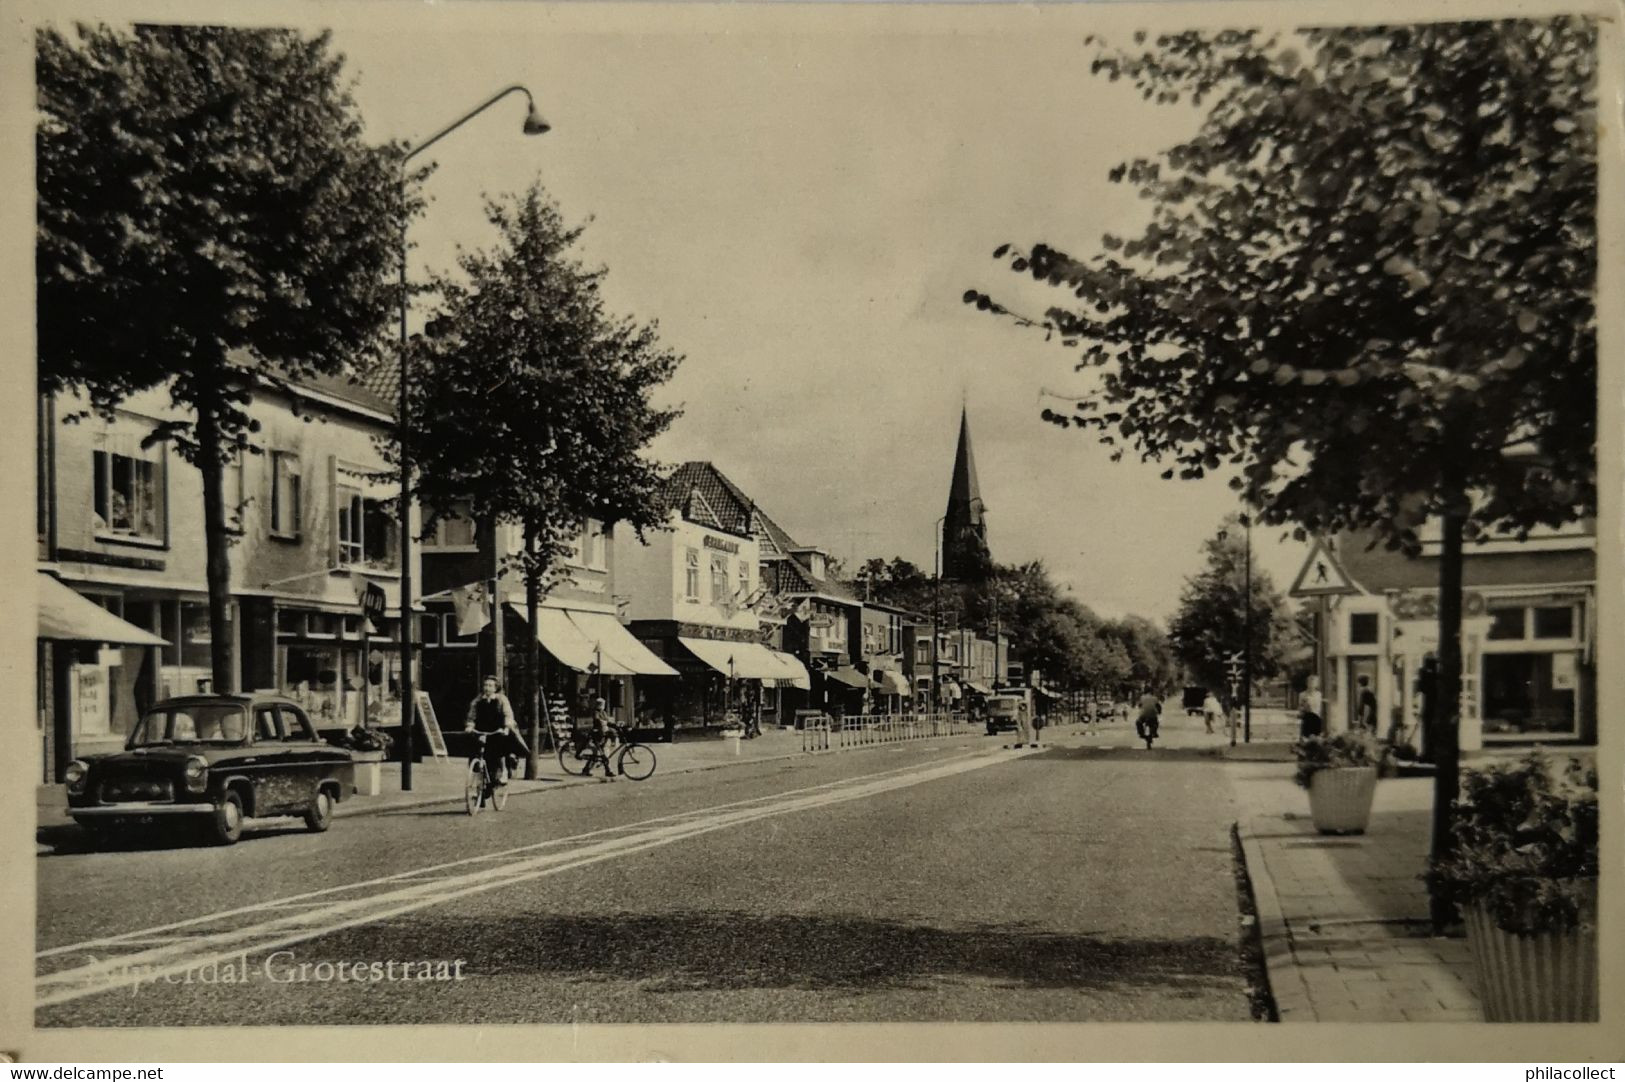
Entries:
{"x":1322,"y":575}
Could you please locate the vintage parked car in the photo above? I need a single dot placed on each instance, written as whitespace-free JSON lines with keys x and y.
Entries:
{"x":215,"y":760}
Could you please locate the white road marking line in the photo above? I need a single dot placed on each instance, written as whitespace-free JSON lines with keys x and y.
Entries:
{"x":325,"y":892}
{"x":146,"y":966}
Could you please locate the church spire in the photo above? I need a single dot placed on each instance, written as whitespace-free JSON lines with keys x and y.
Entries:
{"x":964,"y":534}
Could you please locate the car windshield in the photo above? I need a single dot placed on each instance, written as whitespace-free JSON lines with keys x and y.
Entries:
{"x":204,"y":723}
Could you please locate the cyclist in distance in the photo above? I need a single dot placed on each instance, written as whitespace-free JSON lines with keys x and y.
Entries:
{"x":1150,"y":718}
{"x":491,"y":713}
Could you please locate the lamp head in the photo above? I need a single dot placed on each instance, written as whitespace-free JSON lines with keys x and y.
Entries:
{"x":535,"y":125}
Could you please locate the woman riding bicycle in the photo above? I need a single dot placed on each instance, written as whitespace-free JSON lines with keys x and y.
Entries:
{"x":491,"y":713}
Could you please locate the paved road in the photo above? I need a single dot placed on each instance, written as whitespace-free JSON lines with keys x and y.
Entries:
{"x":947,"y":881}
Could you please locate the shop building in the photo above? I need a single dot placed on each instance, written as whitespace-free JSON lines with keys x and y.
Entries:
{"x":313,"y":523}
{"x":1528,"y":634}
{"x":587,"y":651}
{"x":694,"y":598}
{"x":880,"y":656}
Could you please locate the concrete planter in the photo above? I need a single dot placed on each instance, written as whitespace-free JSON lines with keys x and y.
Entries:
{"x":1340,"y":799}
{"x":1547,"y":977}
{"x":369,"y":772}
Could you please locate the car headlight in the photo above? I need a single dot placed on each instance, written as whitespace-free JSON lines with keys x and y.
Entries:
{"x":197,"y":774}
{"x":75,"y":776}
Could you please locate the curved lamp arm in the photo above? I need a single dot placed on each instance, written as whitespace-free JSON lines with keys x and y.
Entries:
{"x":534,"y":124}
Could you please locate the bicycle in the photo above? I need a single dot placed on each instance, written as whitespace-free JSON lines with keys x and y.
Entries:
{"x":629,"y":759}
{"x":478,"y":785}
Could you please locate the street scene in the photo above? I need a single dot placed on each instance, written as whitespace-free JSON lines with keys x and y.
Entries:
{"x":760,"y":576}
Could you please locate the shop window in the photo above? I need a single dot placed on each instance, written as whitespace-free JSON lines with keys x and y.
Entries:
{"x":195,"y":639}
{"x":290,"y":622}
{"x":1529,"y":693}
{"x":324,"y":625}
{"x":429,"y":628}
{"x":691,"y":581}
{"x":286,"y":494}
{"x":450,"y":636}
{"x":719,"y":579}
{"x":231,"y":487}
{"x":366,"y":531}
{"x":593,"y":538}
{"x":1506,"y":623}
{"x":1554,"y":622}
{"x":313,"y":681}
{"x":1363,"y":628}
{"x":454,"y":531}
{"x":129,"y":494}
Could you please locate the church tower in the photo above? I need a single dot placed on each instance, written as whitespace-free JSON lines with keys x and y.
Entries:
{"x":965,"y":556}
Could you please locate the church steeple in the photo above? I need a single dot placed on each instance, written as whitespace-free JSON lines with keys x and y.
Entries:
{"x":964,"y":535}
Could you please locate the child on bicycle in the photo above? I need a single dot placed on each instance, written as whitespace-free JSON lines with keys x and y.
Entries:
{"x":492,"y":714}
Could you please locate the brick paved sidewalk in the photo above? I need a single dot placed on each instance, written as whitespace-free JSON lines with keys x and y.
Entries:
{"x":1344,"y":919}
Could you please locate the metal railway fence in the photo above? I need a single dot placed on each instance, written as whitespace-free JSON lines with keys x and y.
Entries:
{"x":827,"y":733}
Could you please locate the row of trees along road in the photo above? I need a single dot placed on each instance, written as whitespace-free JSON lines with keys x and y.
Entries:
{"x":1049,"y":631}
{"x":1367,"y":276}
{"x":211,"y":222}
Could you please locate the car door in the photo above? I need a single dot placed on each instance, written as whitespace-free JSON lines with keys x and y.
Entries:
{"x":272,"y":792}
{"x":306,"y":759}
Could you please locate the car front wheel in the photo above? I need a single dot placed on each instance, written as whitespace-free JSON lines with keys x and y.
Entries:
{"x":319,"y":816}
{"x":228,"y":819}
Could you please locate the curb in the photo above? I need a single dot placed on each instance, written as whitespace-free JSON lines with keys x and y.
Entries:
{"x":1287,"y":985}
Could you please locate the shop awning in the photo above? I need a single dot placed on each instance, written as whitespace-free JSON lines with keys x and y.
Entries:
{"x":980,"y":689}
{"x":64,"y":614}
{"x":560,"y":637}
{"x":795,"y":673}
{"x":740,"y":660}
{"x":852,"y":678}
{"x":612,"y":639}
{"x":890,"y":683}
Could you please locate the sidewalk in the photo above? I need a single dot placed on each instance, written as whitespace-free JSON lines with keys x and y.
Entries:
{"x":438,"y":782}
{"x":1344,"y":920}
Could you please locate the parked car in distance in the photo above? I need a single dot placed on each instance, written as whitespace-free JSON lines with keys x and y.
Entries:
{"x":214,"y":761}
{"x":1193,"y":699}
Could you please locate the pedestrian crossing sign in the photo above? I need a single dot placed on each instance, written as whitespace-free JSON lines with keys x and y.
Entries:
{"x":1322,"y":575}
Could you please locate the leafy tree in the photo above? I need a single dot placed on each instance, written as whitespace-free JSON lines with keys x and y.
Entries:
{"x":211,"y":222}
{"x":1151,"y":662}
{"x":1368,"y":275}
{"x":1210,"y":625}
{"x":535,"y":401}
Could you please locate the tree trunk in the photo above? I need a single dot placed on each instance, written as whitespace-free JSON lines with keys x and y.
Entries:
{"x":1445,"y":738}
{"x":533,"y":651}
{"x":211,"y":460}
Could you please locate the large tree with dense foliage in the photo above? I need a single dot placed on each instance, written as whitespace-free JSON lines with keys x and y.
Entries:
{"x":1369,"y":274}
{"x":210,"y":221}
{"x":1211,"y":624}
{"x":534,"y":400}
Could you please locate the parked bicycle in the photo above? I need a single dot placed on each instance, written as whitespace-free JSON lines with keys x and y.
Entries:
{"x":619,"y":754}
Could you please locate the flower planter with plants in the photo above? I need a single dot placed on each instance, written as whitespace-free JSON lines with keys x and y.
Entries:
{"x":1340,"y":773}
{"x":1523,"y":872}
{"x":368,"y":750}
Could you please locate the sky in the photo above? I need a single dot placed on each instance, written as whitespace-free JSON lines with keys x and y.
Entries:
{"x":800,"y":208}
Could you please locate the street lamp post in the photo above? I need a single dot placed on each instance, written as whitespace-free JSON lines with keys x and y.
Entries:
{"x":936,"y":620}
{"x":1247,"y":633}
{"x":534,"y":125}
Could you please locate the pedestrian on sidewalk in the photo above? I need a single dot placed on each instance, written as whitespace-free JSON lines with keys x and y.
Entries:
{"x":492,"y":714}
{"x":1211,"y":710}
{"x":1367,"y":701}
{"x":600,"y":739}
{"x":1311,"y":720}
